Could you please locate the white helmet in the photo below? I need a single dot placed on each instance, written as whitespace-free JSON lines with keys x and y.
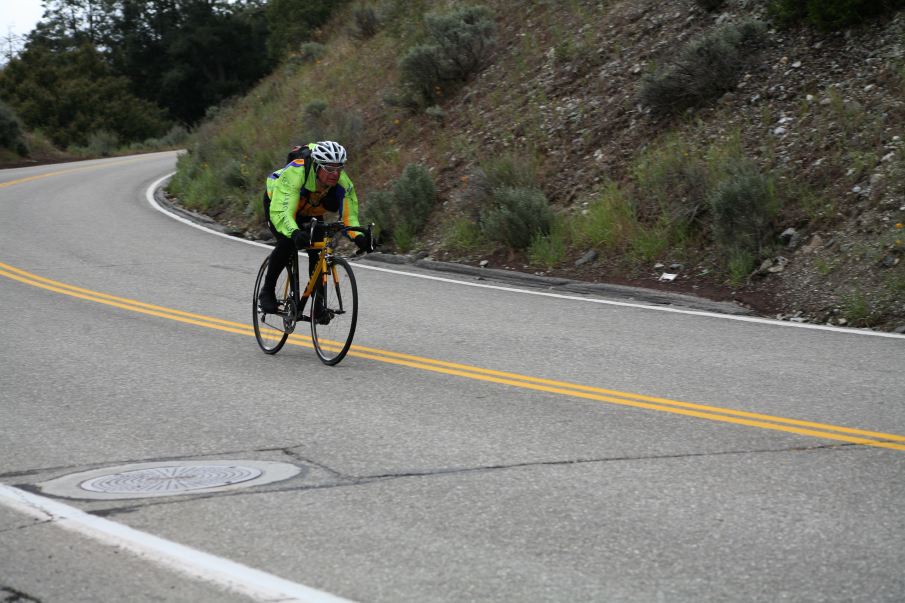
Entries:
{"x":327,"y":151}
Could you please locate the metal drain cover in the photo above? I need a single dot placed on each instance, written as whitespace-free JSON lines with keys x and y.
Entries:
{"x":169,"y":478}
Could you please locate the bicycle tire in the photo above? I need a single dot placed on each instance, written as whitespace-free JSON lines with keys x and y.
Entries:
{"x":272,"y":335}
{"x":334,"y":312}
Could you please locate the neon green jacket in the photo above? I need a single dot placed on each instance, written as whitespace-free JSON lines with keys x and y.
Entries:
{"x":293,"y":195}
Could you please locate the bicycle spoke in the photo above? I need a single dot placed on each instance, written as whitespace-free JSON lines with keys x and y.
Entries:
{"x":334,"y":313}
{"x":272,"y":330}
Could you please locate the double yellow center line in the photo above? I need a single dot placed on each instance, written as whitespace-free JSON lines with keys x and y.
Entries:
{"x":700,"y":411}
{"x":86,"y":168}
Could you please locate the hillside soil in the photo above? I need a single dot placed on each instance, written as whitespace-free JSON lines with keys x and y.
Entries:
{"x":824,"y":111}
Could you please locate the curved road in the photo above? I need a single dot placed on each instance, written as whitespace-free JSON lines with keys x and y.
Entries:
{"x":486,"y":443}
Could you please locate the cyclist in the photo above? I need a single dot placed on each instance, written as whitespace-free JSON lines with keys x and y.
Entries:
{"x":312,"y":183}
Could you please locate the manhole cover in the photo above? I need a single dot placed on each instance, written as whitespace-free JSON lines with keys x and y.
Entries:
{"x":168,"y":479}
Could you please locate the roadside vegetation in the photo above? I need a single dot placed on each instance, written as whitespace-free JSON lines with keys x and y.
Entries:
{"x":737,"y":146}
{"x":460,"y":146}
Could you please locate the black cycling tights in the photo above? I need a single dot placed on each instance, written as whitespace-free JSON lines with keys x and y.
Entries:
{"x":279,"y":259}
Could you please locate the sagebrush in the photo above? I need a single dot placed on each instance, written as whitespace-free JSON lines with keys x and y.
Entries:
{"x":404,"y":210}
{"x":702,"y":70}
{"x":516,"y":215}
{"x":743,"y":206}
{"x":460,"y":44}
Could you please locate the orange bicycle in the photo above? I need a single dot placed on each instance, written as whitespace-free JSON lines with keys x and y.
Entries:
{"x":333,"y":294}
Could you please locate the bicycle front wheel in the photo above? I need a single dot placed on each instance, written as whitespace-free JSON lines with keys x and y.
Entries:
{"x":334,"y":312}
{"x":271,"y":330}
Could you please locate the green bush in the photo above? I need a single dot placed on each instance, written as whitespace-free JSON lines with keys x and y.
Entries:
{"x":704,"y":69}
{"x":460,"y":45}
{"x":176,"y":136}
{"x":379,"y":209}
{"x":436,"y":113}
{"x":403,"y":211}
{"x":365,"y":22}
{"x":463,"y":235}
{"x":859,"y":310}
{"x":743,"y":206}
{"x":609,"y":222}
{"x":510,"y":170}
{"x":548,"y":250}
{"x":422,"y":74}
{"x":315,"y":109}
{"x":311,"y":51}
{"x":101,"y":143}
{"x":232,"y":173}
{"x":649,"y":243}
{"x":831,"y":14}
{"x":465,"y":37}
{"x":11,"y":136}
{"x":404,"y":237}
{"x":414,"y":196}
{"x":740,"y":264}
{"x":671,"y":181}
{"x":171,"y":140}
{"x":516,"y":215}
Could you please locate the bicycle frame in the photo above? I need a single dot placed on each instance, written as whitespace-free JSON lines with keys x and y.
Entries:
{"x":319,"y":273}
{"x":326,"y":248}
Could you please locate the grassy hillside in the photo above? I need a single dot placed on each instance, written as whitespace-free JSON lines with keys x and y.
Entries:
{"x":756,"y":162}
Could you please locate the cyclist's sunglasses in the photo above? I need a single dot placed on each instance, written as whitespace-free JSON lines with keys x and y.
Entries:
{"x":332,"y":168}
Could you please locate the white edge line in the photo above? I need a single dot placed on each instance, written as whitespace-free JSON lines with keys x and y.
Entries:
{"x":227,"y":574}
{"x":754,"y":319}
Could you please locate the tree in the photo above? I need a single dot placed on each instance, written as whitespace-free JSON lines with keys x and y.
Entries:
{"x":67,"y":24}
{"x":216,"y":55}
{"x":292,"y":22}
{"x":72,"y":95}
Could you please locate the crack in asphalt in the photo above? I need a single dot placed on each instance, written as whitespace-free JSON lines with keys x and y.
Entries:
{"x":37,"y":523}
{"x":352,"y":481}
{"x":605,"y":460}
{"x":299,"y":458}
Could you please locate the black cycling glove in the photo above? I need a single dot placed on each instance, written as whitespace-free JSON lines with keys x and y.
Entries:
{"x":364,"y":244}
{"x":301,"y":239}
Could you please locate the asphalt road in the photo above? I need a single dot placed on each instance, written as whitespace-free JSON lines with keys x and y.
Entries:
{"x":481,"y":442}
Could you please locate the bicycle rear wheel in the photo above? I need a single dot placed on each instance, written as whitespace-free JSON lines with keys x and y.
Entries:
{"x":334,"y":312}
{"x":272,"y":330}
